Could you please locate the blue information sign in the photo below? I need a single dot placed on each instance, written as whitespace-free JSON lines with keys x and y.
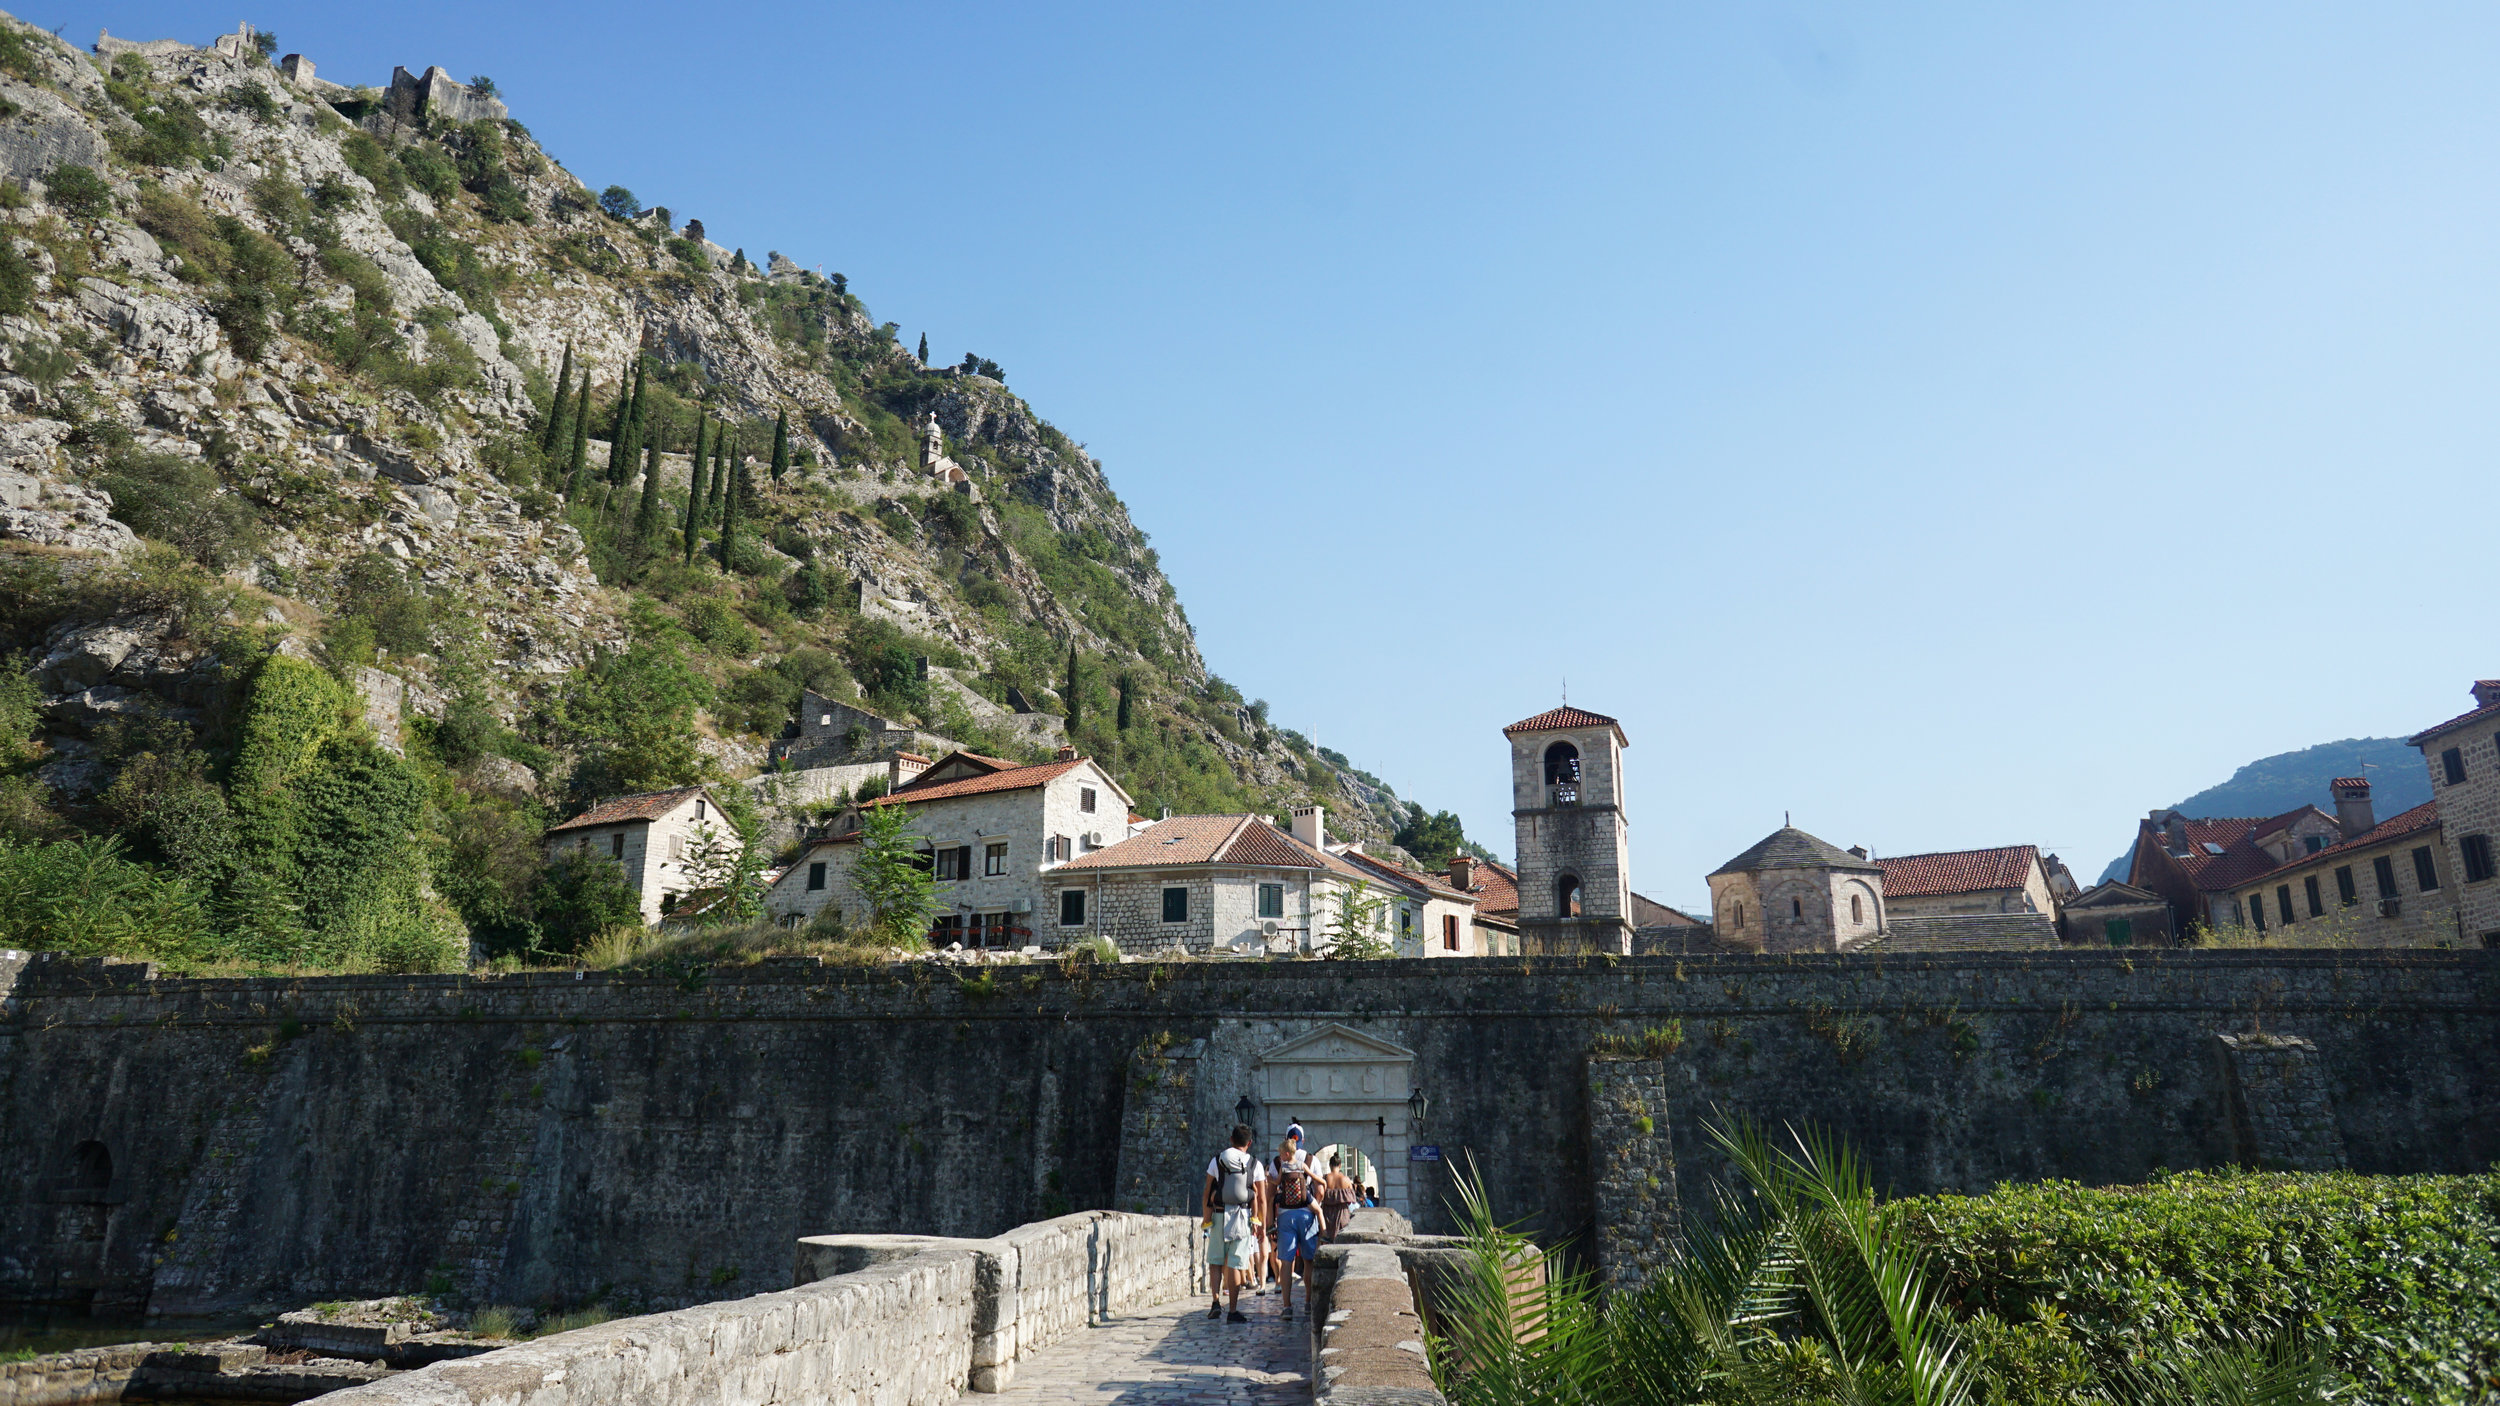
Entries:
{"x":1423,"y":1152}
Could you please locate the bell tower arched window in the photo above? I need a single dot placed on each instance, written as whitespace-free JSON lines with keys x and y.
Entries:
{"x":1562,"y":774}
{"x":1567,"y":896}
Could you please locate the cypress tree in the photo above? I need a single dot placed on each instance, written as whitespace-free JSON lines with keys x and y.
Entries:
{"x":781,"y":447}
{"x":729,"y":517}
{"x":647,"y":512}
{"x":695,"y":475}
{"x":623,"y":449}
{"x":581,"y":439}
{"x":720,"y":478}
{"x":1124,"y":689}
{"x":548,"y":437}
{"x":924,"y":348}
{"x":1076,"y":708}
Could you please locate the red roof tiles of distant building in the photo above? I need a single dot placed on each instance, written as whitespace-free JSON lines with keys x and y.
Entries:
{"x":1212,"y":839}
{"x":2414,"y":821}
{"x":1556,"y":719}
{"x":1013,"y":779}
{"x":1958,"y":871}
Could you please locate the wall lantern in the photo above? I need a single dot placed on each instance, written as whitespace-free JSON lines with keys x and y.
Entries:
{"x":1416,"y":1107}
{"x":1244,"y":1111}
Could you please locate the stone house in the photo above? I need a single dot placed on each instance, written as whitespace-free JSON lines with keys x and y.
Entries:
{"x":2117,"y":914}
{"x":653,"y":837}
{"x":1433,"y":918}
{"x":1495,"y":887}
{"x":2463,"y":755}
{"x":1793,"y":892}
{"x":2198,"y":865}
{"x":992,"y":831}
{"x":2383,"y":887}
{"x":1568,"y":819}
{"x":2008,"y":879}
{"x":831,"y":733}
{"x":1210,"y":884}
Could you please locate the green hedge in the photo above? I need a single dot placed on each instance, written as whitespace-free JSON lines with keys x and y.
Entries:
{"x":2396,"y":1279}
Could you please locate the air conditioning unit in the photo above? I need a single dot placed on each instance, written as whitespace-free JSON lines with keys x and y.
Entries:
{"x":2391,"y":907}
{"x":1268,"y":928}
{"x":1094,"y":839}
{"x":1021,"y":905}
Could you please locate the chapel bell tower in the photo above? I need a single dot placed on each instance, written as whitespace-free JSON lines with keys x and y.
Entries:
{"x":1566,"y":783}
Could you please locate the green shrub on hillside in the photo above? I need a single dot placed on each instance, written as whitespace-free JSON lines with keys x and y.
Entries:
{"x":78,"y":190}
{"x":86,"y":897}
{"x":2395,"y":1279}
{"x":179,"y":501}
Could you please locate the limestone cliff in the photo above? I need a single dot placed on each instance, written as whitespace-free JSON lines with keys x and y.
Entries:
{"x":305,"y":339}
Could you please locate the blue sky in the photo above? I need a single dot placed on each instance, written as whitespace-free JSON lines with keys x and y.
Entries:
{"x":1963,"y":425}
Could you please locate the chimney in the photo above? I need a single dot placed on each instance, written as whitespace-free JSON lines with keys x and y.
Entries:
{"x":2486,"y":692}
{"x":1858,"y":850}
{"x":1463,"y":873}
{"x":1066,"y":753}
{"x":2352,"y":805}
{"x":904,"y":767}
{"x":1310,"y":826}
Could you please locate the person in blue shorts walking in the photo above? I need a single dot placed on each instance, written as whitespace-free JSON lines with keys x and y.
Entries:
{"x":1297,"y":1224}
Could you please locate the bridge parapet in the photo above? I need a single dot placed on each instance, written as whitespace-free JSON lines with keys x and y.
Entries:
{"x":904,"y":1320}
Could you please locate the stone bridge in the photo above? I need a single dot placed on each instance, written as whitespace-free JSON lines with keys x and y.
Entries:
{"x":1090,"y":1309}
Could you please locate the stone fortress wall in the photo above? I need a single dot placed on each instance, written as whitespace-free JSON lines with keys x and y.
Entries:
{"x":537,"y":1138}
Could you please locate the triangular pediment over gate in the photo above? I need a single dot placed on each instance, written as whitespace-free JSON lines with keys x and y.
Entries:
{"x":1335,"y":1044}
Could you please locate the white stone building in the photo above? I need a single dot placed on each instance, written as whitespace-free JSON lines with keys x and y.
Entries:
{"x":1212,"y":884}
{"x":1430,"y":917}
{"x":991,"y":830}
{"x":652,"y":836}
{"x":2463,"y":755}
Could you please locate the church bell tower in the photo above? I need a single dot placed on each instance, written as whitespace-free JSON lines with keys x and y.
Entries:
{"x":1566,"y":783}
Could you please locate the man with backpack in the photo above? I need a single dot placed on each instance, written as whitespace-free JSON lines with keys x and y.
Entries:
{"x":1297,"y":1226}
{"x":1235,"y":1208}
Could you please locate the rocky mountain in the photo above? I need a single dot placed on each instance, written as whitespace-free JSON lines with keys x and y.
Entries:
{"x":286,"y":379}
{"x":2290,"y":780}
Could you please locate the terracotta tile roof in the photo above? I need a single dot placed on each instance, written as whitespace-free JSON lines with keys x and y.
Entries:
{"x":2411,"y":822}
{"x":647,"y":805}
{"x":1556,"y":719}
{"x":2342,"y":784}
{"x":1435,"y":885}
{"x":1958,"y":871}
{"x":1212,"y":839}
{"x":1496,"y":890}
{"x":2235,"y":836}
{"x":1012,"y":779}
{"x":2491,"y":711}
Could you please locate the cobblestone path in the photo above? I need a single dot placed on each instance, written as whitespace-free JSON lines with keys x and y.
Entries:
{"x":1170,"y":1356}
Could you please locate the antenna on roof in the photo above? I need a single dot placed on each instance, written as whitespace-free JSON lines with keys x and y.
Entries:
{"x":1566,"y":688}
{"x":1784,"y":820}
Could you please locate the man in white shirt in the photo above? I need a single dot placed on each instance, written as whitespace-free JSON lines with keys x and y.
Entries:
{"x":1236,"y":1206}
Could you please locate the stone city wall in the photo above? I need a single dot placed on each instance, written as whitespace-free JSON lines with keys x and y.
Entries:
{"x":539,"y":1138}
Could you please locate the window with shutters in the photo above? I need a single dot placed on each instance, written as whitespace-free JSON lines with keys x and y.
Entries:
{"x":616,"y":845}
{"x":1271,"y":900}
{"x":1085,"y":800}
{"x":2283,"y":902}
{"x":2383,"y":869}
{"x":946,"y":929}
{"x":2346,"y":891}
{"x":1176,"y":905}
{"x":1449,"y":932}
{"x":2477,"y":852}
{"x":2317,"y":903}
{"x":815,"y":876}
{"x":677,"y":847}
{"x":955,"y":862}
{"x":994,"y":860}
{"x":2313,"y":843}
{"x":2257,"y":910}
{"x":2425,"y":873}
{"x":2452,"y":765}
{"x":1072,"y":908}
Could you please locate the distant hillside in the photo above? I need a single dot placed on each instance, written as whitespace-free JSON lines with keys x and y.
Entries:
{"x":2273,"y":785}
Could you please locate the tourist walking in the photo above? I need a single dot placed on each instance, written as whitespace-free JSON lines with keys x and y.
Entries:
{"x":1336,"y":1198}
{"x":1235,"y":1209}
{"x":1297,"y":1225}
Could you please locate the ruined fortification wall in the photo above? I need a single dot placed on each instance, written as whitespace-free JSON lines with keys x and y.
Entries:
{"x":544,"y":1137}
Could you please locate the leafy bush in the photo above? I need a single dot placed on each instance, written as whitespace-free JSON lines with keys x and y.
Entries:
{"x":711,"y":620}
{"x":887,"y":664}
{"x":429,"y":170}
{"x":17,"y":279}
{"x":619,"y":203}
{"x":259,"y":286}
{"x":77,"y":190}
{"x":632,"y":714}
{"x":367,"y":158}
{"x":689,"y":253}
{"x":582,"y":896}
{"x":179,"y":501}
{"x":505,"y":202}
{"x":170,"y":132}
{"x":254,"y":99}
{"x":85,"y":896}
{"x":2396,"y":1279}
{"x":17,"y":55}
